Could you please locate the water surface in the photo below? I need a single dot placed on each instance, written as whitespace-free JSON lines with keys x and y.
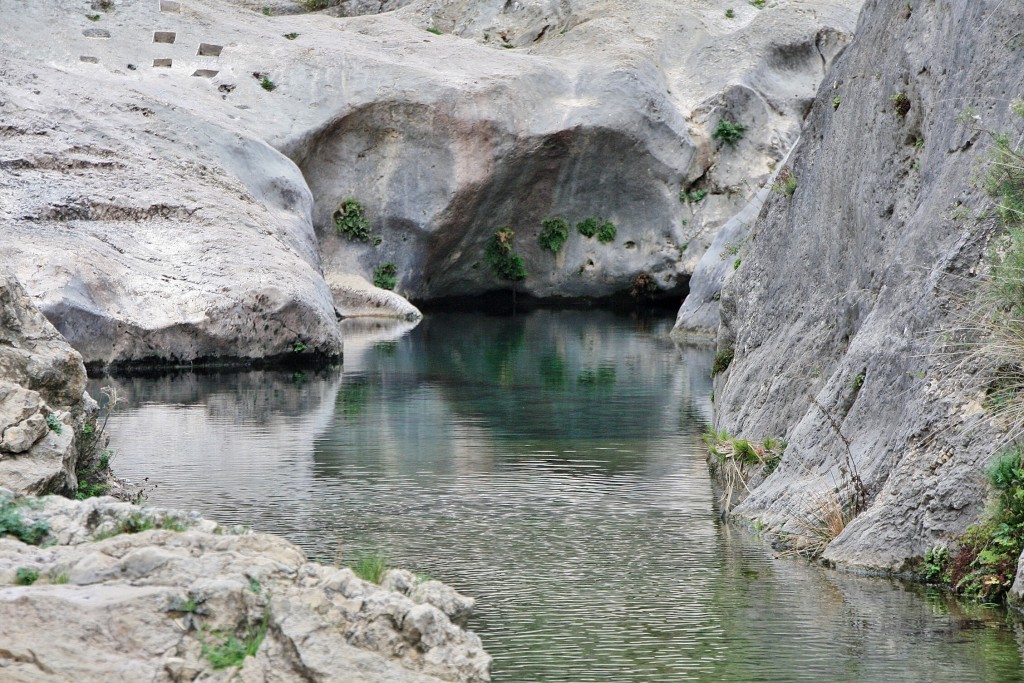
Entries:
{"x":549,"y":465}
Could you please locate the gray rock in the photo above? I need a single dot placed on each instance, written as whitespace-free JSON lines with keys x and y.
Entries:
{"x":843,"y":286}
{"x":110,"y":602}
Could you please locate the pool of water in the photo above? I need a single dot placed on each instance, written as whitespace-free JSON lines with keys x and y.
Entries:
{"x":550,"y":465}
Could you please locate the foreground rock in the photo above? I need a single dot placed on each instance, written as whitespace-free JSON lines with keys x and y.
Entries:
{"x":43,"y":404}
{"x":138,"y":594}
{"x":833,"y":313}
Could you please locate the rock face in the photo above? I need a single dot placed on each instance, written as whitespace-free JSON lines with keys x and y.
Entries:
{"x":834,"y":311}
{"x":183,"y":208}
{"x":152,"y":595}
{"x":43,"y":404}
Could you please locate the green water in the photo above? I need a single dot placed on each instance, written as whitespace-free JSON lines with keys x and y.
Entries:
{"x":550,"y":466}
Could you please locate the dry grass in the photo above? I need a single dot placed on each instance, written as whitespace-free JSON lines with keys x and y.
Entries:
{"x":819,"y":523}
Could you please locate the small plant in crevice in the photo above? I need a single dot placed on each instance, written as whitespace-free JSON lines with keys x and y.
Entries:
{"x":385,"y":275}
{"x":554,"y":234}
{"x":900,"y":104}
{"x":729,"y":132}
{"x":936,"y":565}
{"x":299,"y":346}
{"x":785,"y":183}
{"x":54,"y":423}
{"x":92,"y":17}
{"x":759,"y":4}
{"x":350,"y":220}
{"x":232,"y":650}
{"x":722,"y":361}
{"x":693,"y":196}
{"x":735,"y":461}
{"x":606,"y":232}
{"x":643,"y":287}
{"x":25,"y":576}
{"x":836,"y":102}
{"x":94,"y":476}
{"x":433,"y":30}
{"x":370,"y":566}
{"x":291,"y":36}
{"x":502,"y":259}
{"x":730,"y":14}
{"x":267,"y":84}
{"x":12,"y":524}
{"x":736,"y":264}
{"x":588,"y":226}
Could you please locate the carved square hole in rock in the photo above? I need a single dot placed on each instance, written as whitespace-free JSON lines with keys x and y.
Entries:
{"x":209,"y":50}
{"x":205,"y":73}
{"x":166,"y":63}
{"x":170,"y":6}
{"x":89,"y":60}
{"x":96,"y":33}
{"x":163,"y":36}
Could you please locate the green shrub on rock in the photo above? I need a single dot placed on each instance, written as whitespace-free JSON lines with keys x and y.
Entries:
{"x":350,"y":220}
{"x":504,"y":262}
{"x":385,"y":275}
{"x":554,"y":234}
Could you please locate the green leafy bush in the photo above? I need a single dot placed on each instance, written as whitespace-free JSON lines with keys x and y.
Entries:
{"x":588,"y":227}
{"x":385,"y":275}
{"x":350,"y":220}
{"x":606,"y":232}
{"x":503,"y":261}
{"x":25,"y":576}
{"x":729,"y":132}
{"x":54,"y":423}
{"x":11,"y":524}
{"x":554,"y":234}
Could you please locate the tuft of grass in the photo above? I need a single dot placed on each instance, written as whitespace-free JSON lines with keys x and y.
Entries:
{"x":736,"y":264}
{"x":92,"y":17}
{"x":267,"y":84}
{"x":722,"y":361}
{"x":350,"y":220}
{"x":823,"y":517}
{"x":435,"y":31}
{"x":759,"y":4}
{"x":266,"y":11}
{"x":385,"y":275}
{"x":299,"y":346}
{"x":291,"y":36}
{"x":730,"y":14}
{"x":729,"y":132}
{"x":370,"y":566}
{"x":503,"y":261}
{"x":12,"y":524}
{"x":60,"y":579}
{"x":734,"y":461}
{"x":785,"y":183}
{"x":232,"y":650}
{"x":24,"y":576}
{"x":554,"y":234}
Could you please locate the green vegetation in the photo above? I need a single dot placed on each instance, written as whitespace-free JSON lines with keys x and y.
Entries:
{"x":692,"y":197}
{"x":54,"y":423}
{"x":12,"y":524}
{"x":255,"y":586}
{"x":985,"y":562}
{"x":554,"y":234}
{"x":722,"y":361}
{"x":728,"y":132}
{"x":137,"y":522}
{"x":858,"y":381}
{"x":785,"y":183}
{"x":734,"y":460}
{"x":299,"y":346}
{"x":25,"y":576}
{"x":291,"y":36}
{"x":385,"y":275}
{"x":370,"y":566}
{"x":266,"y":11}
{"x":60,"y":579}
{"x":350,"y":220}
{"x":503,"y":261}
{"x":92,"y":17}
{"x":901,"y":104}
{"x":759,"y":4}
{"x":435,"y":31}
{"x":267,"y":84}
{"x":232,"y":651}
{"x":606,"y":232}
{"x":836,"y":102}
{"x":730,"y":14}
{"x":588,"y":226}
{"x":313,"y":5}
{"x":736,"y":264}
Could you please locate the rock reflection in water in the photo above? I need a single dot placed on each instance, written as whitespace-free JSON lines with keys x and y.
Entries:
{"x":549,"y":464}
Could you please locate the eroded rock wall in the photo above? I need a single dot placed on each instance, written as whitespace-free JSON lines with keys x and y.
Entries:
{"x":837,"y":309}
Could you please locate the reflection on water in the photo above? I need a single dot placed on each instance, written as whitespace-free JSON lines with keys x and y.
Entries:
{"x":549,"y":465}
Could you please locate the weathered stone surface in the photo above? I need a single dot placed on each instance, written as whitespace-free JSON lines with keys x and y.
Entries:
{"x":844,"y":285}
{"x":355,"y":297}
{"x":110,"y":604}
{"x":40,"y":376}
{"x":457,"y":607}
{"x":162,"y":217}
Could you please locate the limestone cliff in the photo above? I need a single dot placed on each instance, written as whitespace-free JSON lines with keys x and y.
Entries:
{"x":836,"y":311}
{"x":171,"y":170}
